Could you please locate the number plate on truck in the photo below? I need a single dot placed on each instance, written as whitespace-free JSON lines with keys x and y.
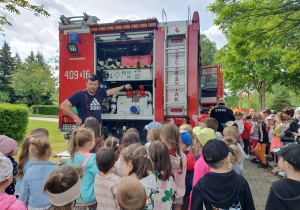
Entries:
{"x":68,"y":127}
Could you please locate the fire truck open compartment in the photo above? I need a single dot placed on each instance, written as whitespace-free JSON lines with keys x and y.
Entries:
{"x":120,"y":63}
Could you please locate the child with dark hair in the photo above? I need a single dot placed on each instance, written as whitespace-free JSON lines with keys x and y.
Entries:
{"x":262,"y":143}
{"x":131,"y":194}
{"x":106,"y":182}
{"x":128,"y":139}
{"x":63,"y":187}
{"x":165,"y":180}
{"x":93,"y":124}
{"x":284,"y":194}
{"x":170,"y":135}
{"x":114,"y":144}
{"x":246,"y":133}
{"x":290,"y":126}
{"x":220,"y":188}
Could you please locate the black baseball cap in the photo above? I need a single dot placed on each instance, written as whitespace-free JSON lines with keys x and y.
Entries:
{"x":290,"y":153}
{"x":215,"y":150}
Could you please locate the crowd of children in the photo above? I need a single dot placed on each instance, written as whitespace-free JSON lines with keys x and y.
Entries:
{"x":179,"y":168}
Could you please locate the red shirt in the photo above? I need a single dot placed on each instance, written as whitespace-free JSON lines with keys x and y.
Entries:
{"x":203,"y":116}
{"x":246,"y":132}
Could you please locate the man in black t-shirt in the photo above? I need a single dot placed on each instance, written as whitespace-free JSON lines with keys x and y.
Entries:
{"x":88,"y":102}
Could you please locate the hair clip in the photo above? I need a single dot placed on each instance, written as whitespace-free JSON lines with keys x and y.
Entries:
{"x":30,"y":137}
{"x":38,"y":139}
{"x":117,"y":145}
{"x":76,"y":130}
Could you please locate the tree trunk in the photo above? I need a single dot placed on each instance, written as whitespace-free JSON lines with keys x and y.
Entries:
{"x":261,"y":95}
{"x":263,"y":105}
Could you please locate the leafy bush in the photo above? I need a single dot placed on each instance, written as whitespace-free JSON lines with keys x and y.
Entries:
{"x":45,"y":109}
{"x":13,"y":120}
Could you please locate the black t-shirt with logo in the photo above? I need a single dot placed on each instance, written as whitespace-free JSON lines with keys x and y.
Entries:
{"x":81,"y":99}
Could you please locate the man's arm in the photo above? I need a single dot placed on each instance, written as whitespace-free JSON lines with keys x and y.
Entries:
{"x":66,"y":108}
{"x":117,"y":89}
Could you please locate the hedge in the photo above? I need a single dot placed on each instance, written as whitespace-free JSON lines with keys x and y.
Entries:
{"x":45,"y":109}
{"x":13,"y":120}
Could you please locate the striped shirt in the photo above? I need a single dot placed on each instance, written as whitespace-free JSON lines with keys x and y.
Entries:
{"x":106,"y":191}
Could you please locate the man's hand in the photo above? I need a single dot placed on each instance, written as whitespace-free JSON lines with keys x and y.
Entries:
{"x":128,"y":87}
{"x":78,"y":121}
{"x":295,"y":134}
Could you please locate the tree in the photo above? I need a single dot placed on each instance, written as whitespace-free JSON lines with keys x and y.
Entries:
{"x":208,"y":50}
{"x":7,"y":66}
{"x":31,"y":79}
{"x":259,"y":70}
{"x":12,"y":6}
{"x":271,"y":22}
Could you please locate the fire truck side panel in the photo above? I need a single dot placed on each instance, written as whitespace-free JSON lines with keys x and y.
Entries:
{"x":159,"y":73}
{"x":74,"y":69}
{"x":192,"y":76}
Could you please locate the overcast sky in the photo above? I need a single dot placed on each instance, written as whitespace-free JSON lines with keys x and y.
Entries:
{"x":29,"y":32}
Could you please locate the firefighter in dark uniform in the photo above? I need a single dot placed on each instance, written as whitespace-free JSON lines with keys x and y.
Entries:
{"x":222,"y":114}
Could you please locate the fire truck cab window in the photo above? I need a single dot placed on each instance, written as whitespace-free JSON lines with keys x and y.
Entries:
{"x":209,"y":81}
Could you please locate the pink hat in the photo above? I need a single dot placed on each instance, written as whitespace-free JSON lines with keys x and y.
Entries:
{"x":6,"y":168}
{"x":7,"y":144}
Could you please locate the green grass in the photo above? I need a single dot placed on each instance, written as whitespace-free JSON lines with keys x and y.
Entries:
{"x":58,"y":143}
{"x":41,"y":115}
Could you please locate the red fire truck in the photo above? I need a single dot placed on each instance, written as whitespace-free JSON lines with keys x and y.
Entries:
{"x":162,"y":62}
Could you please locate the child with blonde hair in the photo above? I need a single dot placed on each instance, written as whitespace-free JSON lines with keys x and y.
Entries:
{"x":25,"y":161}
{"x":32,"y":186}
{"x":135,"y":160}
{"x":131,"y":194}
{"x":9,"y":148}
{"x":234,"y":159}
{"x":233,"y":131}
{"x":63,"y":187}
{"x":82,"y":142}
{"x":171,"y":137}
{"x":106,"y":182}
{"x":6,"y":177}
{"x":165,"y":180}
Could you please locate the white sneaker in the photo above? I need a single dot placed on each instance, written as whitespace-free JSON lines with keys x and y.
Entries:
{"x":282,"y":174}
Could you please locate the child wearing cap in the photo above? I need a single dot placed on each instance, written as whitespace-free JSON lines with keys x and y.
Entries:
{"x":246,"y":133}
{"x":284,"y":194}
{"x":213,"y":124}
{"x":149,"y":128}
{"x":9,"y":148}
{"x":186,"y":140}
{"x":220,"y":188}
{"x":201,"y":168}
{"x":6,"y":177}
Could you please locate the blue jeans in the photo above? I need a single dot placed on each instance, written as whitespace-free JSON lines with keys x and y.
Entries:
{"x":286,"y":143}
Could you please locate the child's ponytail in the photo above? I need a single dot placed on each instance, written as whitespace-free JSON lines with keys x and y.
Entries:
{"x":38,"y":148}
{"x":24,"y":156}
{"x":78,"y":139}
{"x":141,"y":162}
